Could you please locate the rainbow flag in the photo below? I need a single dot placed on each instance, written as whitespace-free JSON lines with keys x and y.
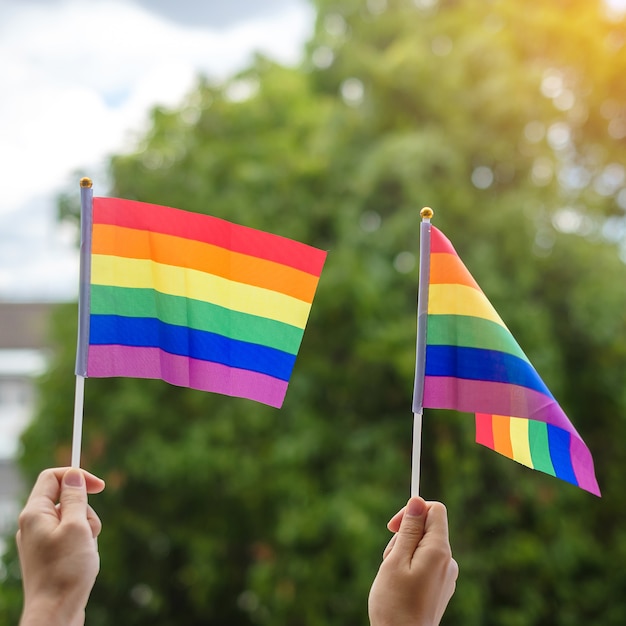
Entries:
{"x":473,"y":364}
{"x":193,"y":300}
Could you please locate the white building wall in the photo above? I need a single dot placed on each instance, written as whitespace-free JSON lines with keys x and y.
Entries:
{"x":18,"y":370}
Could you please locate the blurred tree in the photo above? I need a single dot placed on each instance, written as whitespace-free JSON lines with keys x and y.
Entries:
{"x":508,"y":118}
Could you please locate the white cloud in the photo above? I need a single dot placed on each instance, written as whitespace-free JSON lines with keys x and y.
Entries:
{"x":36,"y":255}
{"x":78,"y":77}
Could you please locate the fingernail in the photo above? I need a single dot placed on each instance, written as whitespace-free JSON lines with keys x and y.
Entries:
{"x":73,"y":478}
{"x":415,"y":507}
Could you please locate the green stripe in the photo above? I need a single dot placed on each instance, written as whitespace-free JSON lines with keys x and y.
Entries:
{"x":471,"y":332}
{"x":539,"y":447}
{"x":107,"y":300}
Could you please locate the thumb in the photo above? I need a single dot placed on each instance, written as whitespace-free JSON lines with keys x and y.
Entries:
{"x":411,"y":529}
{"x":73,"y":496}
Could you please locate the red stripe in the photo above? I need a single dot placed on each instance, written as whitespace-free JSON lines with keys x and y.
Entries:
{"x":484,"y":430}
{"x":208,"y":229}
{"x":439,"y":243}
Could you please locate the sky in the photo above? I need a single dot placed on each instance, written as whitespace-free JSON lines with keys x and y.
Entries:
{"x":78,"y":80}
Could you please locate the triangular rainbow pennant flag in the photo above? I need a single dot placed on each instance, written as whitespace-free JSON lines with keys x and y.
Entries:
{"x":469,"y":361}
{"x":192,"y":299}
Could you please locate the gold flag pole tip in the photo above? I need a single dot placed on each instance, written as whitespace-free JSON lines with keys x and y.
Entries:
{"x":86,"y":182}
{"x":426,"y":213}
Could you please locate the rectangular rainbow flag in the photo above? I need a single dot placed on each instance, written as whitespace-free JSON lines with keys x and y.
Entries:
{"x":472,"y":363}
{"x":193,"y":300}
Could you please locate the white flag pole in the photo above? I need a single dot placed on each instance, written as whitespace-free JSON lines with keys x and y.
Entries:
{"x":82,"y":344}
{"x":420,"y":351}
{"x":416,"y":457}
{"x":79,"y":400}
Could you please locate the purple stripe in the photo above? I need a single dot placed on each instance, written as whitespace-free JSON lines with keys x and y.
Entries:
{"x":137,"y":362}
{"x":477,"y":396}
{"x":582,"y":462}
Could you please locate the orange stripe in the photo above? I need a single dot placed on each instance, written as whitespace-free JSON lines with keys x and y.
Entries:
{"x":449,"y":269}
{"x":180,"y":252}
{"x":502,"y":435}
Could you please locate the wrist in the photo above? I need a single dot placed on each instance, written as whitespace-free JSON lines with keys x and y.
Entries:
{"x":51,"y":612}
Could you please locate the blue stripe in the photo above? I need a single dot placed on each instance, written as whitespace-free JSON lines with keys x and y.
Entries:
{"x":559,"y":443}
{"x":196,"y":344}
{"x":487,"y":365}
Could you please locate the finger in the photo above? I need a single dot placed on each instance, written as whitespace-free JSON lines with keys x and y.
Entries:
{"x":94,"y":483}
{"x":40,"y":507}
{"x":73,"y":497}
{"x":94,"y":522}
{"x":48,"y":484}
{"x":453,"y":570}
{"x":389,"y":547}
{"x":411,"y":528}
{"x":394,"y":523}
{"x":436,"y":529}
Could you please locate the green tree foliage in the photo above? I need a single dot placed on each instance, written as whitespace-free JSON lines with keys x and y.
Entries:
{"x":508,"y":118}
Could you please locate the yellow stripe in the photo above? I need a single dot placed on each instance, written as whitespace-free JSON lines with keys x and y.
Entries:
{"x":179,"y":281}
{"x":519,"y":441}
{"x":461,"y":300}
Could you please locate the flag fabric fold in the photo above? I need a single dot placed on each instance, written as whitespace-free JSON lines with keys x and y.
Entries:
{"x":473,"y":364}
{"x":195,"y":300}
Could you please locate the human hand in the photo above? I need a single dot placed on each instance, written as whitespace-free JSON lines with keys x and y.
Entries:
{"x":418,"y":575}
{"x":57,"y":547}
